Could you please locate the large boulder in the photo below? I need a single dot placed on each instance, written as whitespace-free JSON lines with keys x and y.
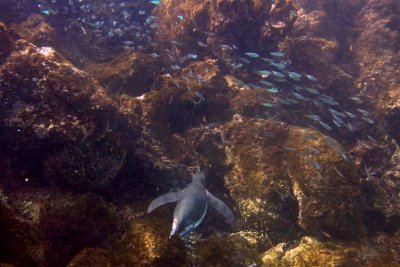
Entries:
{"x":58,"y":124}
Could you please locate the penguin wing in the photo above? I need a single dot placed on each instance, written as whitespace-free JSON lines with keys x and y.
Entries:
{"x":221,"y":207}
{"x":161,"y":200}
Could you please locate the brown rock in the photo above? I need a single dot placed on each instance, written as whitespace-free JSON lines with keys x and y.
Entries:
{"x":57,"y":121}
{"x":251,"y":20}
{"x":37,"y":31}
{"x":95,"y":257}
{"x":6,"y":43}
{"x":131,"y":73}
{"x":379,"y":251}
{"x":234,"y":250}
{"x":61,"y":224}
{"x":146,"y":243}
{"x":275,"y":180}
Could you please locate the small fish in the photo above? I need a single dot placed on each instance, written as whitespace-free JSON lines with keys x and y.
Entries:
{"x":371,"y":138}
{"x":294,"y":76}
{"x":299,"y":96}
{"x":269,"y":60}
{"x":201,"y":44}
{"x":265,"y":72}
{"x":244,"y":60}
{"x":318,"y":104}
{"x":315,"y":164}
{"x":350,"y":115}
{"x":175,"y":67}
{"x":278,"y":65}
{"x":337,"y":124}
{"x":343,"y":155}
{"x":326,"y":126}
{"x":313,"y":117}
{"x":237,"y":65}
{"x":46,"y":12}
{"x":311,"y":78}
{"x":363,"y":112}
{"x":208,"y":33}
{"x":176,"y":43}
{"x":370,"y":121}
{"x":312,"y":90}
{"x":314,"y":150}
{"x":226,"y":47}
{"x":338,"y":119}
{"x":154,"y":55}
{"x":278,"y":74}
{"x":253,"y":86}
{"x":273,"y":90}
{"x":284,"y":102}
{"x":356,"y":99}
{"x":267,"y":104}
{"x":252,"y":54}
{"x":337,"y":113}
{"x":338,"y":172}
{"x":150,"y":19}
{"x":128,"y":42}
{"x":326,"y":97}
{"x":328,"y":100}
{"x":350,"y":127}
{"x":277,"y":54}
{"x":294,"y":101}
{"x":155,"y":2}
{"x":265,"y":83}
{"x":180,"y":17}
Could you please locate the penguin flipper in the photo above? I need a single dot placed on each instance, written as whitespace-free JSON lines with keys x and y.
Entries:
{"x":221,"y":207}
{"x":161,"y":200}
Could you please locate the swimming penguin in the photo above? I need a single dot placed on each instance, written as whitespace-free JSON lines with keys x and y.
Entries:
{"x":192,"y":205}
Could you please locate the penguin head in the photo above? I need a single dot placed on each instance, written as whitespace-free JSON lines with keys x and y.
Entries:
{"x":199,"y":177}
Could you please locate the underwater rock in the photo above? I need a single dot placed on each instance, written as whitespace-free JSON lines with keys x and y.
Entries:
{"x":146,"y":243}
{"x":131,"y":73}
{"x":37,"y":31}
{"x":21,"y":242}
{"x":61,"y":224}
{"x":279,"y":182}
{"x":57,"y":122}
{"x":389,"y":106}
{"x":310,"y":251}
{"x":6,"y":44}
{"x":171,"y":121}
{"x":376,"y":48}
{"x":95,"y":257}
{"x":234,"y":250}
{"x":220,"y":22}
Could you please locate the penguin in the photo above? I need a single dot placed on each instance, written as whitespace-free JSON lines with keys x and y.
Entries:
{"x":192,"y":205}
